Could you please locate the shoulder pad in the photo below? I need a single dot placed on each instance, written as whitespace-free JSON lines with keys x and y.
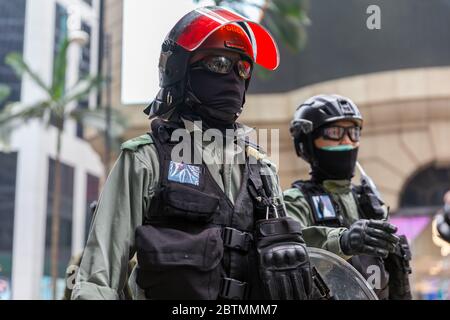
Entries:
{"x":137,"y":142}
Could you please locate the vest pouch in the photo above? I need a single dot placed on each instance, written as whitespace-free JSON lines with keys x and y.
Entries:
{"x":174,"y":264}
{"x":189,"y":204}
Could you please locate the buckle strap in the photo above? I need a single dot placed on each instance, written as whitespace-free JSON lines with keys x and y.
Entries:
{"x":236,"y":239}
{"x":321,"y":285}
{"x":232,"y":289}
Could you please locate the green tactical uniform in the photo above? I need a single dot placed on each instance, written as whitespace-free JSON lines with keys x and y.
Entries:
{"x":326,"y":238}
{"x":125,"y":199}
{"x":346,"y":220}
{"x":321,"y":235}
{"x":75,"y":261}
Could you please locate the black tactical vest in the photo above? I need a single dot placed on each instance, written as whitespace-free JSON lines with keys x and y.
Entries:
{"x":317,"y":196}
{"x":195,"y":243}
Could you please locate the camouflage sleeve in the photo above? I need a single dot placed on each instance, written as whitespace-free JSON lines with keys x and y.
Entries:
{"x":315,"y":236}
{"x":110,"y":246}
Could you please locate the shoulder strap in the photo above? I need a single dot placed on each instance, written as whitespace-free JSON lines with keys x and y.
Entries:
{"x":163,"y":129}
{"x":355,"y":191}
{"x":307,"y":187}
{"x":314,"y":194}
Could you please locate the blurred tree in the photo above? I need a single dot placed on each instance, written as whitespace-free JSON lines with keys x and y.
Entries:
{"x":5,"y":91}
{"x":58,"y":106}
{"x":285,"y":19}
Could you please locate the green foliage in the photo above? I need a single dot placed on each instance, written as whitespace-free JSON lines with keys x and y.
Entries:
{"x":58,"y":105}
{"x":5,"y":91}
{"x":285,"y":19}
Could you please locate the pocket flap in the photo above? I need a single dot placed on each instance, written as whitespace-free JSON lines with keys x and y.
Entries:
{"x":160,"y":248}
{"x":190,"y":200}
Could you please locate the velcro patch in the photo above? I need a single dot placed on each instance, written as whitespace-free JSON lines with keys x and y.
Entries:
{"x":184,"y":173}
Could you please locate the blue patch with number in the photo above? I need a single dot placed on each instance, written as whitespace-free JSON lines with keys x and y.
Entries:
{"x":184,"y":173}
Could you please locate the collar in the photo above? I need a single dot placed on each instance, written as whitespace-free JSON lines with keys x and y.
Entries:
{"x":240,"y":131}
{"x":337,"y":186}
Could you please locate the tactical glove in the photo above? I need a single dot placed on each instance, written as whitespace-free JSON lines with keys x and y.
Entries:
{"x":284,"y":264}
{"x":397,"y":264}
{"x":371,"y":237}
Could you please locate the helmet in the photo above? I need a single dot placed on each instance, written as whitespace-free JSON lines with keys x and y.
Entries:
{"x":206,"y":28}
{"x":229,"y":37}
{"x":317,"y":112}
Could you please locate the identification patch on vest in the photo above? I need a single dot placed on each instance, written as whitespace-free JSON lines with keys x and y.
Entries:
{"x":184,"y":173}
{"x":323,"y":208}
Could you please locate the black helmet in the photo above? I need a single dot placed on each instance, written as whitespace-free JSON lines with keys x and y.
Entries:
{"x":317,"y":112}
{"x":205,"y":26}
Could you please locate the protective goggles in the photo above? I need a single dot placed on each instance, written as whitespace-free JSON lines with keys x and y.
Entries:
{"x":337,"y":133}
{"x":224,"y":65}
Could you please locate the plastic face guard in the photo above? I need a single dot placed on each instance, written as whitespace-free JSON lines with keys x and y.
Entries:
{"x":195,"y":27}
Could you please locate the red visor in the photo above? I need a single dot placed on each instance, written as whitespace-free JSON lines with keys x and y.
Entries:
{"x":195,"y":27}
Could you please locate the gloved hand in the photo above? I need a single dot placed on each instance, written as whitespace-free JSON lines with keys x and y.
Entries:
{"x":284,"y":265}
{"x":371,"y":237}
{"x":397,"y":264}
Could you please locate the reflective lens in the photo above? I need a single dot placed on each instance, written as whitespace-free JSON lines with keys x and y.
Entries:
{"x":224,"y":65}
{"x":245,"y":69}
{"x":337,"y":133}
{"x":221,"y":65}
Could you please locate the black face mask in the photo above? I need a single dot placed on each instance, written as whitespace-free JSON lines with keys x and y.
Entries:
{"x":334,"y":165}
{"x":221,"y":96}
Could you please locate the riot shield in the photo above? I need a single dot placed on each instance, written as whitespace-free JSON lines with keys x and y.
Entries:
{"x":342,"y":279}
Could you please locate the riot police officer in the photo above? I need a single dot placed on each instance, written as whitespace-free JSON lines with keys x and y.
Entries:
{"x":347,"y":220}
{"x":208,"y":229}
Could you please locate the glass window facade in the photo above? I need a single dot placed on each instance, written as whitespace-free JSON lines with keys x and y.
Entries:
{"x":84,"y":71}
{"x":85,"y":61}
{"x":8,"y":171}
{"x":61,"y":17}
{"x":12,"y":26}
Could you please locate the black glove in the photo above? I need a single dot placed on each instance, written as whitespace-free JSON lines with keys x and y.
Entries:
{"x":371,"y":237}
{"x":284,"y":265}
{"x":397,"y":264}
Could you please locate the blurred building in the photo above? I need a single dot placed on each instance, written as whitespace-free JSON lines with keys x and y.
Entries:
{"x":35,"y":29}
{"x":398,"y":75}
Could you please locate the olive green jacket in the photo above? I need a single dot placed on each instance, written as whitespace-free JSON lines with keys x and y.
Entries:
{"x":125,"y":199}
{"x":326,"y":238}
